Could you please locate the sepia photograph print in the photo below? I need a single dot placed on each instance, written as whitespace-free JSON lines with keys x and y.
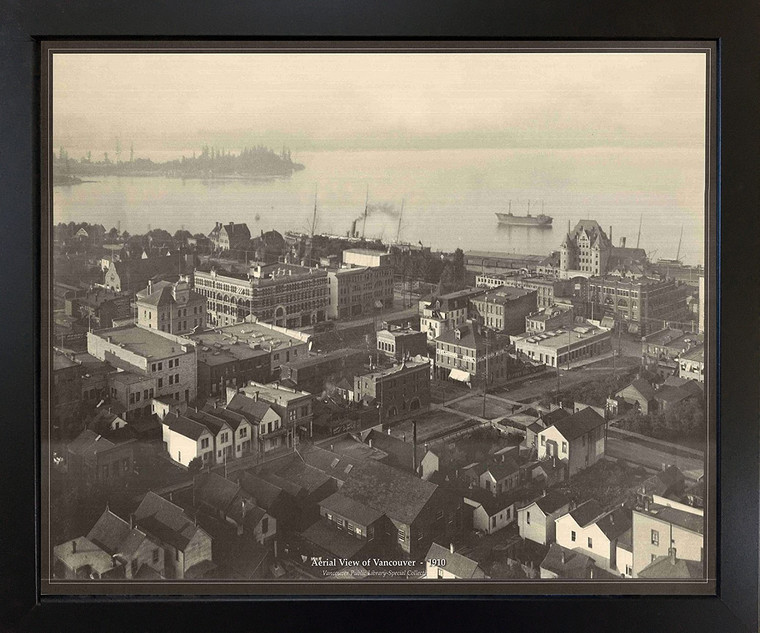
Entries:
{"x":368,"y":319}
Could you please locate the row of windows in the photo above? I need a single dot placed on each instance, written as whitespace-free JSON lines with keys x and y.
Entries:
{"x":135,"y":396}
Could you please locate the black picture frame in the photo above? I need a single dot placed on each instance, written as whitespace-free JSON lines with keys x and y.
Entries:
{"x":731,"y":24}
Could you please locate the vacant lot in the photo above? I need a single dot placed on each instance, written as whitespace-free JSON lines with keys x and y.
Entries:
{"x":474,"y":406}
{"x":433,"y":423}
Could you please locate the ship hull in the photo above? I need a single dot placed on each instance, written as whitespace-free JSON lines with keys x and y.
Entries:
{"x":514,"y":220}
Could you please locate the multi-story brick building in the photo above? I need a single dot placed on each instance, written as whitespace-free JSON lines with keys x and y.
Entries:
{"x":282,"y":294}
{"x":399,"y":391}
{"x":439,"y":314}
{"x":363,"y":286}
{"x":171,"y":307}
{"x":469,"y":354}
{"x":400,"y":342}
{"x":230,"y":236}
{"x":585,"y":250}
{"x":151,"y":363}
{"x":504,"y":309}
{"x":549,"y":319}
{"x":548,"y":289}
{"x":312,"y":372}
{"x":643,"y":304}
{"x":566,"y":346}
{"x":231,"y":356}
{"x":295,"y":408}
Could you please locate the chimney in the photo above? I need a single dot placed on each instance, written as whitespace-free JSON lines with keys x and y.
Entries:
{"x":562,"y":556}
{"x":672,"y":555}
{"x":131,"y":521}
{"x":150,"y":287}
{"x":256,"y":396}
{"x":370,"y":442}
{"x":591,"y":572}
{"x":451,"y":547}
{"x":74,"y":547}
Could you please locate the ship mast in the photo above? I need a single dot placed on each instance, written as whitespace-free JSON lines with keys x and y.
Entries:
{"x":314,"y":217}
{"x":678,"y":253}
{"x":366,"y":208}
{"x":400,"y":215}
{"x":638,"y":239}
{"x":528,"y":208}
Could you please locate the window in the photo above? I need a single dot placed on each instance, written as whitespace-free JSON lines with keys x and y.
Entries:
{"x":564,"y":447}
{"x":160,"y":383}
{"x":176,"y":554}
{"x":652,"y":558}
{"x":171,"y":379}
{"x":176,"y":360}
{"x":153,"y":367}
{"x":243,"y":431}
{"x":131,"y":398}
{"x":628,"y":570}
{"x":590,"y":543}
{"x":543,"y":440}
{"x":137,"y":396}
{"x":527,"y":517}
{"x":145,"y":394}
{"x":401,"y":535}
{"x":655,"y":537}
{"x":572,"y":536}
{"x":160,"y":366}
{"x":265,"y":525}
{"x":440,"y":573}
{"x":493,"y":522}
{"x":176,"y":378}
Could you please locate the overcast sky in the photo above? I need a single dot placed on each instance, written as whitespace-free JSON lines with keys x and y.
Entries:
{"x":164,"y":102}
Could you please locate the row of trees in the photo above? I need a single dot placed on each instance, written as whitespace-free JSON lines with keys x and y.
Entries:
{"x":680,"y":421}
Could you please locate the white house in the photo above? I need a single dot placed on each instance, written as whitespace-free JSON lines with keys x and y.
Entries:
{"x":185,"y":439}
{"x":443,"y":562}
{"x":578,"y":440}
{"x":490,"y":512}
{"x":536,"y":521}
{"x":595,"y":531}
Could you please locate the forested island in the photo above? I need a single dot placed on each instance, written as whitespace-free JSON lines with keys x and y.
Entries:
{"x":211,"y":163}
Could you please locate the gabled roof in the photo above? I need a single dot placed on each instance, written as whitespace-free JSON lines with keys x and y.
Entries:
{"x":109,"y":532}
{"x":185,"y":426}
{"x":263,"y":492}
{"x":587,"y":512}
{"x":695,"y":353}
{"x":574,"y":564}
{"x":252,"y":409}
{"x":89,"y":443}
{"x":502,"y":470}
{"x":625,"y":540}
{"x":453,"y":562}
{"x":673,"y":394}
{"x":643,"y":387}
{"x":687,"y":520}
{"x":663,"y":482}
{"x":87,"y":554}
{"x":166,"y":521}
{"x":554,"y":416}
{"x":215,"y":491}
{"x":399,"y":495}
{"x":665,"y":567}
{"x":578,"y":423}
{"x":232,"y":418}
{"x":339,"y":543}
{"x":615,"y":523}
{"x":211,"y":422}
{"x":350,"y":509}
{"x":492,"y":504}
{"x":551,"y":501}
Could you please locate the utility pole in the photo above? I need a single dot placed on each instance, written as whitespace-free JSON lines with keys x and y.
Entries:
{"x":485,"y":383}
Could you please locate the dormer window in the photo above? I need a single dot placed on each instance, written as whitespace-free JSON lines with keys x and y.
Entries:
{"x":458,"y":334}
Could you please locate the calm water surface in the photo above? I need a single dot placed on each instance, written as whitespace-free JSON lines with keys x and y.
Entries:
{"x":450,"y":198}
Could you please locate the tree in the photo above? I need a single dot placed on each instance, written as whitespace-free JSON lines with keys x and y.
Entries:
{"x":195,"y":465}
{"x":181,"y":237}
{"x":113,"y":233}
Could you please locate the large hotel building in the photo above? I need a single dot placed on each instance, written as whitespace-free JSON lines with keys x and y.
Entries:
{"x":280,"y":294}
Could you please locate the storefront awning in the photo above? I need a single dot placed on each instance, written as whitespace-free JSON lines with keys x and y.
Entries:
{"x":458,"y":374}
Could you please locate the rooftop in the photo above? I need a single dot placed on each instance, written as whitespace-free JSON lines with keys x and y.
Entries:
{"x":273,"y":392}
{"x":562,"y":336}
{"x":395,"y":493}
{"x":671,"y":567}
{"x":405,"y":366}
{"x":551,"y":501}
{"x":578,"y":423}
{"x":587,"y":512}
{"x":681,"y":518}
{"x":81,"y":552}
{"x":350,"y":509}
{"x":145,"y":342}
{"x":510,"y":256}
{"x":240,"y":342}
{"x":503,"y":295}
{"x":336,"y":542}
{"x":695,"y":353}
{"x":317,"y":359}
{"x":453,"y":562}
{"x":165,"y":521}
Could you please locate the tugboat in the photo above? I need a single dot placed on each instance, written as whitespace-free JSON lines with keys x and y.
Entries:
{"x":540,"y":220}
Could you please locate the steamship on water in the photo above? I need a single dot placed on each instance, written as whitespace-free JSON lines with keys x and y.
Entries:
{"x":540,"y":220}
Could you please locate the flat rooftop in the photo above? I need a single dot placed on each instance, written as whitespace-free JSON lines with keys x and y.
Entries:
{"x":503,"y":294}
{"x":396,"y":369}
{"x":273,"y":392}
{"x":562,"y":336}
{"x":240,"y":342}
{"x":144,"y":342}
